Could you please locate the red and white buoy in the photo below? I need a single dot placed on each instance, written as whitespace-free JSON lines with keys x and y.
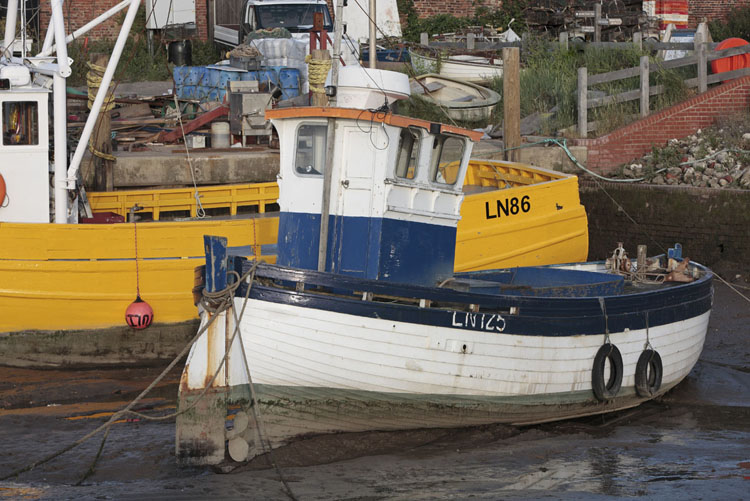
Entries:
{"x":139,"y":314}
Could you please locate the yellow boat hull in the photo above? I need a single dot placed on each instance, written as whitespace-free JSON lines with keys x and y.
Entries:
{"x":60,"y":277}
{"x":73,"y":277}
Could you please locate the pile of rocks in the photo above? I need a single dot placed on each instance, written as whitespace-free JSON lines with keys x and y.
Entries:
{"x":716,"y":158}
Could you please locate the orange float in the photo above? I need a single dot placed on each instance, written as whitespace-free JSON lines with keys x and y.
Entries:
{"x":732,"y":62}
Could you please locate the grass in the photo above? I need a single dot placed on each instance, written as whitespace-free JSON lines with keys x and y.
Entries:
{"x":549,"y":80}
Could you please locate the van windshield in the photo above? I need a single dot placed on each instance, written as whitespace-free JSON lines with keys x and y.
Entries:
{"x":296,"y":18}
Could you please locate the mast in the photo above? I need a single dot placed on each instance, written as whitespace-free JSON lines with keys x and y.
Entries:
{"x":330,"y":138}
{"x":59,"y":113}
{"x":10,"y":27}
{"x":373,"y":49}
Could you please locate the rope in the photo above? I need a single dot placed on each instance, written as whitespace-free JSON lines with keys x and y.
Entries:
{"x":93,"y":81}
{"x":137,"y":276}
{"x":227,"y":295}
{"x":200,"y":212}
{"x":603,"y":307}
{"x":255,"y":407}
{"x":100,"y":154}
{"x":317,"y":72}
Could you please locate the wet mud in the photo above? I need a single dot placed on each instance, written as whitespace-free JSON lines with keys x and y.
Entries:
{"x":693,"y":443}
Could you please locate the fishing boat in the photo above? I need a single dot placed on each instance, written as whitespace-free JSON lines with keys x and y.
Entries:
{"x":464,"y":67}
{"x":362,"y":324}
{"x":66,"y":284}
{"x":461,"y":100}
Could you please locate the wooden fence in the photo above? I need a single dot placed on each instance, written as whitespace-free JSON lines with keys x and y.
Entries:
{"x":700,"y":59}
{"x":469,"y":42}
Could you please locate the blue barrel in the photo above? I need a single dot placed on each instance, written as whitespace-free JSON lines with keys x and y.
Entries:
{"x":180,"y":74}
{"x":289,"y":80}
{"x":226,"y":77}
{"x":213,"y":77}
{"x":249,"y":75}
{"x":189,"y":92}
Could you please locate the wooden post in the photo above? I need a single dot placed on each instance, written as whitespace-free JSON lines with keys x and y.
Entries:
{"x":597,"y":26}
{"x":216,"y":262}
{"x":638,"y":40}
{"x":644,"y":86}
{"x":102,"y":137}
{"x":424,"y":39}
{"x":700,"y":48}
{"x":373,"y":34}
{"x":583,"y":84}
{"x":564,"y":40}
{"x":512,"y":102}
{"x":470,"y":41}
{"x":211,"y":19}
{"x":318,"y":97}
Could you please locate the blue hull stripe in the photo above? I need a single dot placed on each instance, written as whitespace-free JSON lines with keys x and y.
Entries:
{"x":375,"y":248}
{"x":547,"y":316}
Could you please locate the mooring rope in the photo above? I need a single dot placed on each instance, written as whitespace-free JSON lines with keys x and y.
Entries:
{"x":317,"y":71}
{"x":199,"y":210}
{"x":224,"y":298}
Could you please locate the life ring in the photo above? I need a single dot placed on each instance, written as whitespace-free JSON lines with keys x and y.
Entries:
{"x":648,"y":373}
{"x":606,"y":390}
{"x":2,"y":191}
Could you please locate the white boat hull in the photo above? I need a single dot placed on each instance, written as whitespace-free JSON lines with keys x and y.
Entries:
{"x":319,"y":371}
{"x":467,"y":68}
{"x":461,"y":100}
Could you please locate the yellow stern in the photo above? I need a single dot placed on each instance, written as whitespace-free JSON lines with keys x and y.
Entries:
{"x":518,"y":215}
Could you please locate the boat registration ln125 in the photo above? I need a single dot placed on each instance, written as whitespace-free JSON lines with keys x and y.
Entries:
{"x":492,"y":322}
{"x":508,"y":207}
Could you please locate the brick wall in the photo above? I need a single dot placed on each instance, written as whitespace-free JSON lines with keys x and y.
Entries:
{"x":458,"y":8}
{"x":711,"y":224}
{"x":79,"y":12}
{"x":710,"y":10}
{"x":608,"y":152}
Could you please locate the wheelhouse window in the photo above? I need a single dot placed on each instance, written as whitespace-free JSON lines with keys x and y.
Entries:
{"x":447,"y":152}
{"x":294,"y":17}
{"x":408,"y":154}
{"x":20,"y":123}
{"x":310,"y":157}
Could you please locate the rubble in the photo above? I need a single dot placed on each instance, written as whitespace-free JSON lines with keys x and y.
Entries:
{"x":715,"y":157}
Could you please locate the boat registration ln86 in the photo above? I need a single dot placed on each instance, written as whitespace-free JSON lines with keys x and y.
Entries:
{"x":507,"y":207}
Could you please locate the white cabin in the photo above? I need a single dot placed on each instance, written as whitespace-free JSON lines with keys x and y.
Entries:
{"x":395,"y":198}
{"x":24,"y":147}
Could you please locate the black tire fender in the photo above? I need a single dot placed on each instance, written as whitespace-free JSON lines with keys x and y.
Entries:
{"x":606,"y":390}
{"x":648,"y":382}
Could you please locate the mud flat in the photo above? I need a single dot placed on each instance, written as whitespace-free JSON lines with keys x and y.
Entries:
{"x":693,"y":443}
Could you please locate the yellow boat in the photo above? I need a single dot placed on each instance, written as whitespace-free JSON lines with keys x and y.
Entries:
{"x":83,"y":276}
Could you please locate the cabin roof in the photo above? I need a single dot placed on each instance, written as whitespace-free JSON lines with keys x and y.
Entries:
{"x":366,"y":115}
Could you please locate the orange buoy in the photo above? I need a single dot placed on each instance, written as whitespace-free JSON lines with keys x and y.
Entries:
{"x":2,"y":191}
{"x":732,"y":62}
{"x":139,"y":314}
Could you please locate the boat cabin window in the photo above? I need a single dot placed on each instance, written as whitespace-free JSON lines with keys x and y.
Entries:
{"x":447,"y":152}
{"x":408,"y":153}
{"x":311,"y":149}
{"x":20,"y":123}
